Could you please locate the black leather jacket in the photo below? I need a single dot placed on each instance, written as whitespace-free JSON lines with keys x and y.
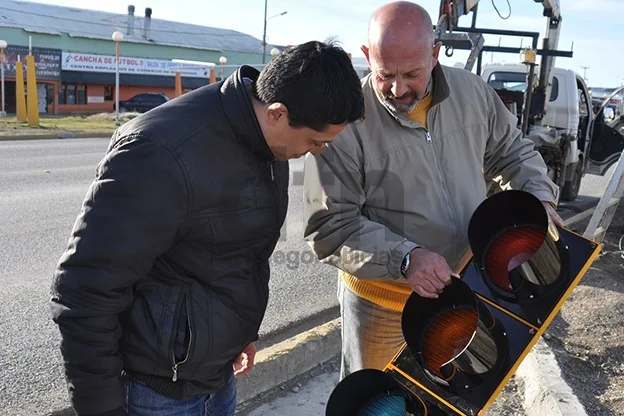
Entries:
{"x":166,"y":275}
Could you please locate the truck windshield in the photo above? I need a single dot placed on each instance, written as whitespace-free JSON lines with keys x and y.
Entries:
{"x":512,"y":81}
{"x":516,"y":81}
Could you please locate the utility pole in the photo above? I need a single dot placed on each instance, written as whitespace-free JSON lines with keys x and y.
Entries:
{"x":585,"y":68}
{"x":264,"y":44}
{"x":264,"y":33}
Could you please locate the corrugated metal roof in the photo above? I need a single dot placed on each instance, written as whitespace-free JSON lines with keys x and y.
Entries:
{"x":54,"y":20}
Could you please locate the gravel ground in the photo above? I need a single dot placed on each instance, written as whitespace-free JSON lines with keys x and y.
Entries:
{"x":509,"y":402}
{"x":587,"y":336}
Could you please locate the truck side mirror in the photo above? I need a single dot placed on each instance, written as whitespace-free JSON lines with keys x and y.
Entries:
{"x":609,"y":114}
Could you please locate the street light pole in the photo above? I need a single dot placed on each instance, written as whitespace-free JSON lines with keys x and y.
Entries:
{"x":3,"y":46}
{"x":265,"y":29}
{"x":264,"y":33}
{"x":117,"y":37}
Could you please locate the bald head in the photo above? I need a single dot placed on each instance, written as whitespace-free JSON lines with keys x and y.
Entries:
{"x":401,"y":54}
{"x":398,"y":24}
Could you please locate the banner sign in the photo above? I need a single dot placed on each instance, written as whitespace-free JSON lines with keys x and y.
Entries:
{"x":47,"y":62}
{"x":105,"y":63}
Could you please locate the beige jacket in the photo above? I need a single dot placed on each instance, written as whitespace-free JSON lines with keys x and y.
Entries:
{"x":386,"y":185}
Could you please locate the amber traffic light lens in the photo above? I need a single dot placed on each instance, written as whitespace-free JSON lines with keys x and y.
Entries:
{"x":447,"y":337}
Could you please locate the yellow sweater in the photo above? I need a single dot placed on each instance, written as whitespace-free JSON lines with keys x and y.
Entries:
{"x":387,"y":294}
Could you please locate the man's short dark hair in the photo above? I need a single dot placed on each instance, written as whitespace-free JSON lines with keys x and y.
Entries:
{"x":316,"y":81}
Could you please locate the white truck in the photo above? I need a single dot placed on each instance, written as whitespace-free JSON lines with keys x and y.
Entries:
{"x":572,"y":139}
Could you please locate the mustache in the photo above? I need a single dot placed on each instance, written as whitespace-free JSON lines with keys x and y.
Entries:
{"x":391,"y":96}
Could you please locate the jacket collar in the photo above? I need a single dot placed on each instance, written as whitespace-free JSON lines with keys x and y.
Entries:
{"x":440,"y":91}
{"x":236,"y":98}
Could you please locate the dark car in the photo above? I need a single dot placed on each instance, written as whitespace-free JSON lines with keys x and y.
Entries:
{"x":142,"y":102}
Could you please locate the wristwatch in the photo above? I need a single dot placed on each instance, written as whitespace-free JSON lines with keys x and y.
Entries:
{"x":405,"y":263}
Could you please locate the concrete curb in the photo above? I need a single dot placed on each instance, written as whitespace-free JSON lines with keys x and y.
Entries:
{"x":290,"y":358}
{"x":545,"y":391}
{"x":58,"y":135}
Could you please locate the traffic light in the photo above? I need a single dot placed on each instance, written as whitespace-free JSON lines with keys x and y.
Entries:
{"x":462,"y":348}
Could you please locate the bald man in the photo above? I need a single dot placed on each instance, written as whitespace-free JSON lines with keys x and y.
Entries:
{"x":389,"y":201}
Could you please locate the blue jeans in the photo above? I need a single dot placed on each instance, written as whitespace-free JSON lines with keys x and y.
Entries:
{"x":142,"y":401}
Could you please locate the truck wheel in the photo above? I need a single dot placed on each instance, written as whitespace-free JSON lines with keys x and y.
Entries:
{"x":571,"y":188}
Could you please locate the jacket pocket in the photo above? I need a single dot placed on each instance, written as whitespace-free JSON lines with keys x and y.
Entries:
{"x":182,"y":336}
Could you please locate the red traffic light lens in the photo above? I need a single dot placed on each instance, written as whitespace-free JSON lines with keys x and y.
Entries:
{"x":510,"y":250}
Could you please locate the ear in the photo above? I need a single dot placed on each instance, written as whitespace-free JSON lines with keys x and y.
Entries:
{"x":276,"y":113}
{"x":436,"y":53}
{"x":365,"y":51}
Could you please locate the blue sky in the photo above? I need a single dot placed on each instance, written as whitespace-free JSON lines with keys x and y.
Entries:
{"x":593,"y":28}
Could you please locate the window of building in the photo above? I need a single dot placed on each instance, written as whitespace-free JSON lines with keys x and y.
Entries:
{"x":49,"y":94}
{"x":81,"y":94}
{"x":73,"y":94}
{"x":108,"y":93}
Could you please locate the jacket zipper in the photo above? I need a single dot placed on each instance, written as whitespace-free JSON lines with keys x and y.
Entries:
{"x":274,"y":199}
{"x":188,"y":352}
{"x":444,"y":188}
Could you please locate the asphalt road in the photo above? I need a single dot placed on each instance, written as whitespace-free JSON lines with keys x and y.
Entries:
{"x":42,"y":185}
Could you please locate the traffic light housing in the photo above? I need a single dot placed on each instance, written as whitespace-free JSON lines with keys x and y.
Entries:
{"x":462,"y":348}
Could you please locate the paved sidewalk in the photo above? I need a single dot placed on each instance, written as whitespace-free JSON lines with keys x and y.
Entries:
{"x":305,"y":395}
{"x":307,"y":400}
{"x":308,"y":395}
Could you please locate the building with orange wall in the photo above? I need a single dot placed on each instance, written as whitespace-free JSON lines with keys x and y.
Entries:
{"x":75,"y":55}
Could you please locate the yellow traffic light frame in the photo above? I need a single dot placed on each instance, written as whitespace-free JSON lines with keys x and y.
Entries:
{"x":401,"y":366}
{"x":521,"y":318}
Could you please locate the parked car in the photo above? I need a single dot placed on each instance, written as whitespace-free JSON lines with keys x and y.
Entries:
{"x":142,"y":102}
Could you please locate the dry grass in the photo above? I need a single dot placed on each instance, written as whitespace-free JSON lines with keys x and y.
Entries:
{"x":97,"y":123}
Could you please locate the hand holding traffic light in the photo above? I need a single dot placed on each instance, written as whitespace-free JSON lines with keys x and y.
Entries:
{"x":552,"y":213}
{"x":428,"y":273}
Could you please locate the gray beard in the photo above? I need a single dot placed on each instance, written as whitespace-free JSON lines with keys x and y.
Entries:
{"x":402,"y":109}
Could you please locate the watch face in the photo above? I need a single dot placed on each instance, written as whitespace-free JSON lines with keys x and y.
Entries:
{"x":405,"y":264}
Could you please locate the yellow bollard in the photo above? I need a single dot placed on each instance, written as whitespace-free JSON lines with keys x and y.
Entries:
{"x":20,"y":97}
{"x":213,"y":75}
{"x":178,"y":84}
{"x":31,"y":94}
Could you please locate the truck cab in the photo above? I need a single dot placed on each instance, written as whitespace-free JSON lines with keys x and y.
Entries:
{"x":572,"y":139}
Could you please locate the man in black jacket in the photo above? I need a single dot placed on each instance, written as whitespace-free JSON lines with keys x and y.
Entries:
{"x":160,"y":294}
